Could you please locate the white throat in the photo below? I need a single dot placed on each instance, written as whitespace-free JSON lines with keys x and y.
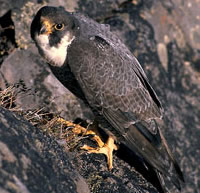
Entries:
{"x":55,"y":55}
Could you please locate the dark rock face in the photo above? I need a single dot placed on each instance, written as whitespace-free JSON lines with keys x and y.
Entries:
{"x":7,"y":34}
{"x":33,"y":162}
{"x":36,"y":75}
{"x":164,"y":37}
{"x":122,"y":178}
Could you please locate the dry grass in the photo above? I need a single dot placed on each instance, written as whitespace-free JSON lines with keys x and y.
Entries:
{"x":7,"y":97}
{"x":65,"y":132}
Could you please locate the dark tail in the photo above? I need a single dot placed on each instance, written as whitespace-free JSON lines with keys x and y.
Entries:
{"x":158,"y":154}
{"x":179,"y":173}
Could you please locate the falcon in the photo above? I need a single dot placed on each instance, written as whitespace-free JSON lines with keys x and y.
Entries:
{"x":94,"y":64}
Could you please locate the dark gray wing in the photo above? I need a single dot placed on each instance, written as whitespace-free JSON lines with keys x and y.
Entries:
{"x":112,"y":79}
{"x":115,"y":85}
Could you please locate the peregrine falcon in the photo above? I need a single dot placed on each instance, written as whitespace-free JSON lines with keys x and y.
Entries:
{"x":94,"y":64}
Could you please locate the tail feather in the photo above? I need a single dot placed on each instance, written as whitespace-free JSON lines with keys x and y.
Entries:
{"x":175,"y":164}
{"x":162,"y":182}
{"x":158,"y":154}
{"x":148,"y":142}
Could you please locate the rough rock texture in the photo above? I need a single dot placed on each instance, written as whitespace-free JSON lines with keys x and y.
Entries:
{"x":45,"y":89}
{"x":7,"y":34}
{"x":164,"y":36}
{"x":33,"y":162}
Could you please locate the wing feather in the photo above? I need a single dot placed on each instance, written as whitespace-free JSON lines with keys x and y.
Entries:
{"x":116,"y":86}
{"x":111,"y":79}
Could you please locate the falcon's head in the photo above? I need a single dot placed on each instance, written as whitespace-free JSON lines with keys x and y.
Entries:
{"x":53,"y":29}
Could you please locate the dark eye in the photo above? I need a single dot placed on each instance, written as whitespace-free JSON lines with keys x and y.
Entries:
{"x":59,"y":26}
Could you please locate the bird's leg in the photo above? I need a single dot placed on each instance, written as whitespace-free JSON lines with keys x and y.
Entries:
{"x":106,"y":149}
{"x":77,"y":129}
{"x":103,"y":148}
{"x":91,"y":130}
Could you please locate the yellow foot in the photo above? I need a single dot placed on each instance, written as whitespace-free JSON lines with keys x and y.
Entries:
{"x":103,"y":148}
{"x":106,"y":149}
{"x":77,"y":129}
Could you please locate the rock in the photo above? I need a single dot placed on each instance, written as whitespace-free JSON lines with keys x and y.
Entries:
{"x":68,"y":5}
{"x":7,"y":34}
{"x":7,"y":5}
{"x":163,"y":35}
{"x":125,"y":176}
{"x":178,"y":21}
{"x":22,"y":17}
{"x":98,"y":10}
{"x":33,"y":162}
{"x":45,"y":89}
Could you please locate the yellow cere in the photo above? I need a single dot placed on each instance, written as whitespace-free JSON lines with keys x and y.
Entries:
{"x":48,"y":26}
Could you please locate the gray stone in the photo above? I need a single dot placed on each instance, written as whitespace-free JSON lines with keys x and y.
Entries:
{"x":32,"y":162}
{"x":164,"y":36}
{"x":45,"y":90}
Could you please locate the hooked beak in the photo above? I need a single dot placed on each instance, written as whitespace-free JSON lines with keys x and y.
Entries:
{"x":43,"y":29}
{"x":46,"y":28}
